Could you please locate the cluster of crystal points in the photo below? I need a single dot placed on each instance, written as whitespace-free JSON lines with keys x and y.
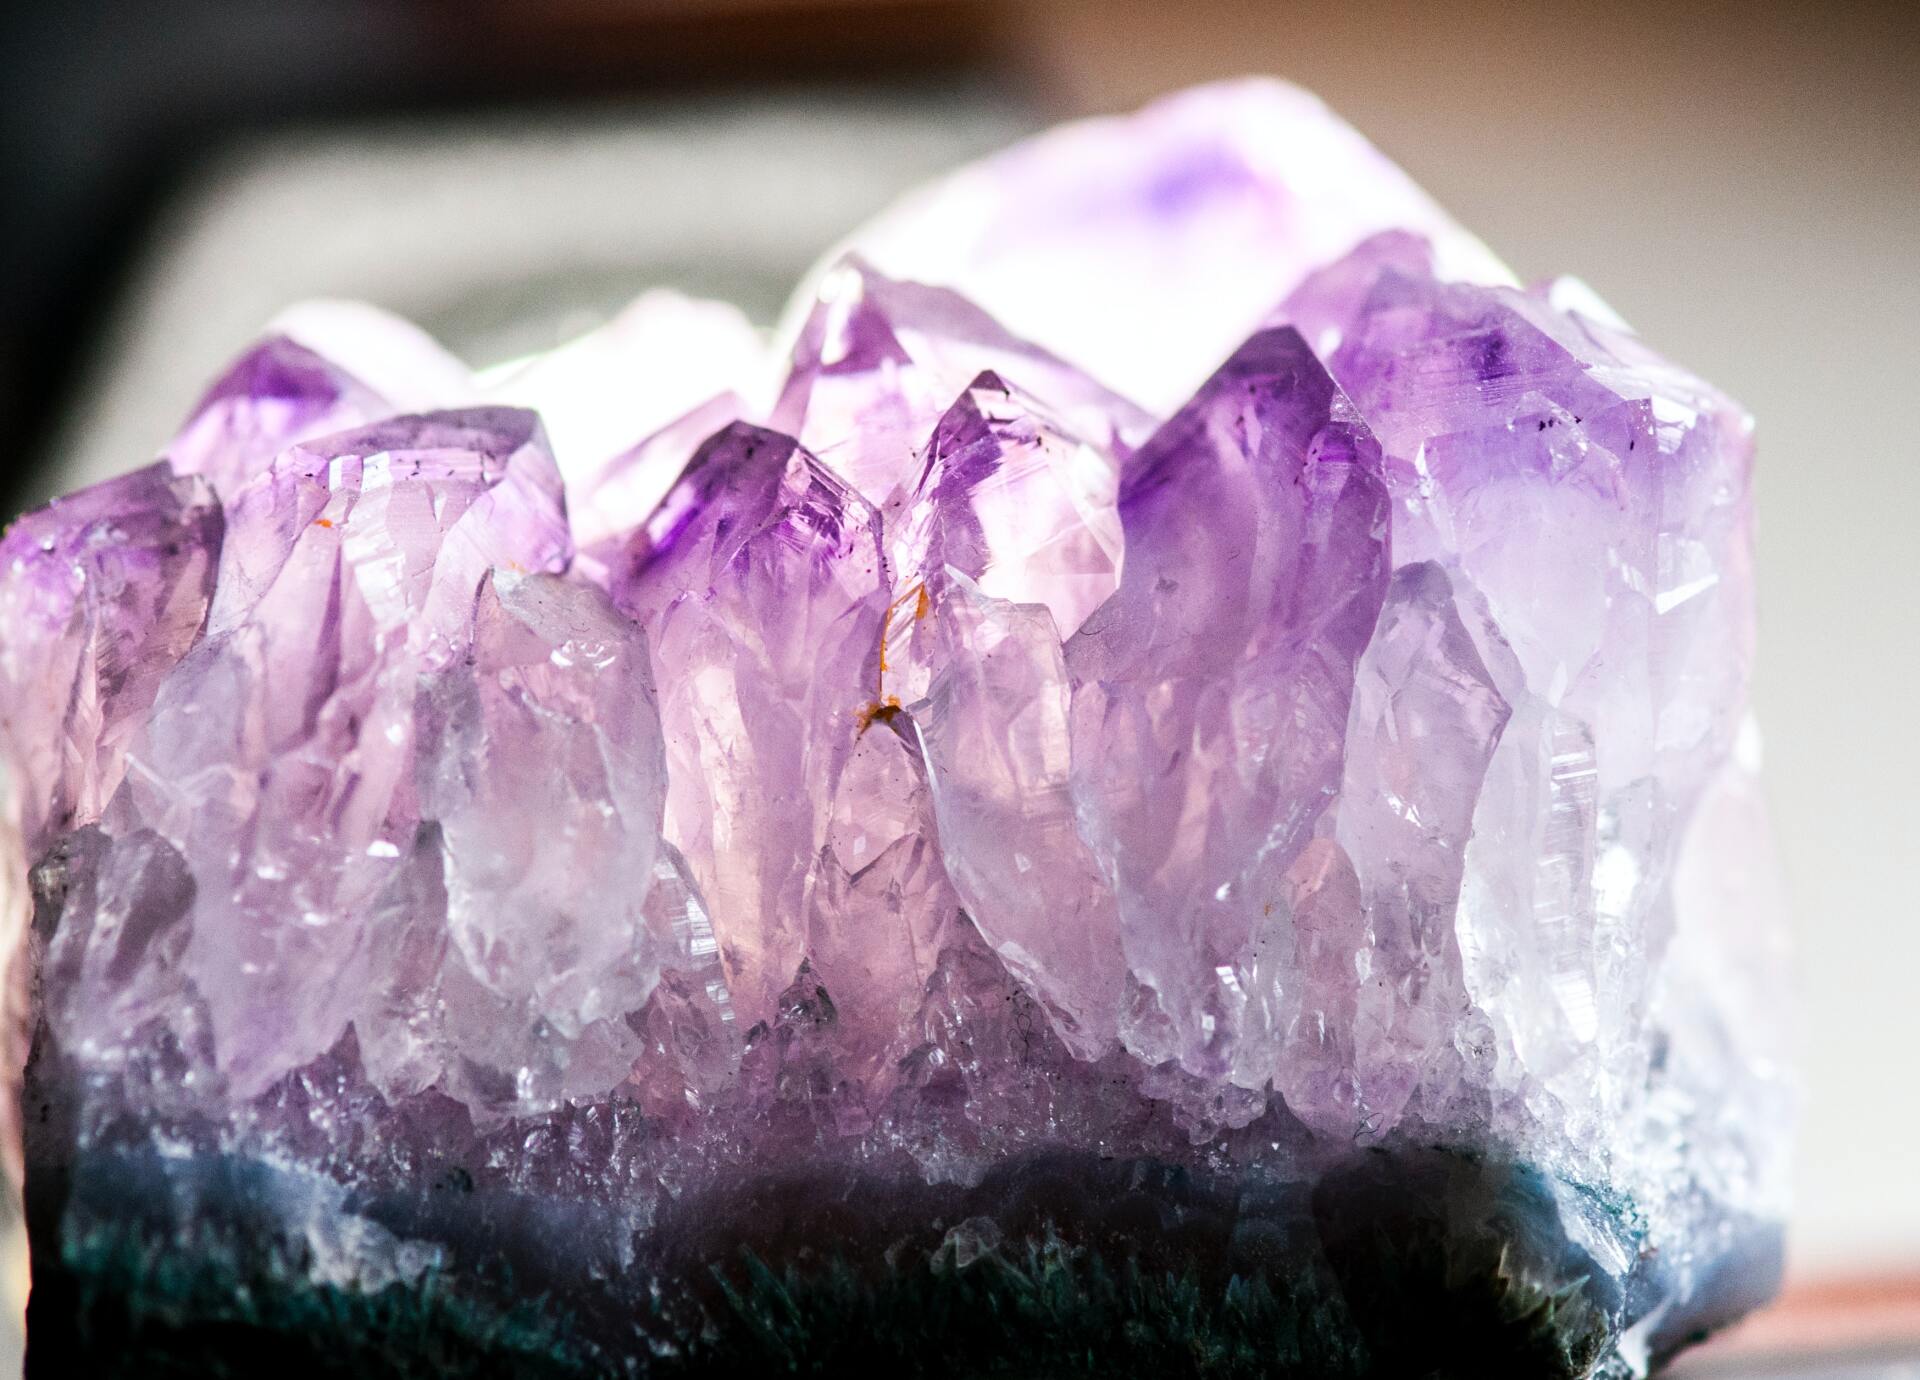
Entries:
{"x":909,"y":749}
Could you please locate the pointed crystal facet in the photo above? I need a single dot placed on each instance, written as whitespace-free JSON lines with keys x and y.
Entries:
{"x":1014,"y":501}
{"x":1211,"y":692}
{"x":1595,"y":497}
{"x":877,"y":362}
{"x":633,"y":483}
{"x":278,"y":393}
{"x":101,"y":593}
{"x":761,"y":582}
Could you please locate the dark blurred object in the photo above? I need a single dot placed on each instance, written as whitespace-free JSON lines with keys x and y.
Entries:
{"x":105,"y":104}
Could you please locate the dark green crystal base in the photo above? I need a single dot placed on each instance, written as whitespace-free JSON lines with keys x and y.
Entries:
{"x":1405,"y":1262}
{"x":1044,"y":1313}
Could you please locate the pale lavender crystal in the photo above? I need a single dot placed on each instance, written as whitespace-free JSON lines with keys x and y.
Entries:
{"x":877,"y":362}
{"x":277,"y":393}
{"x":914,"y":784}
{"x":1595,"y":500}
{"x":1011,"y":498}
{"x":1145,"y":248}
{"x":551,"y":943}
{"x":374,"y":585}
{"x":1211,"y":694}
{"x":103,"y":592}
{"x":1425,"y":719}
{"x":996,"y":730}
{"x":762,"y":583}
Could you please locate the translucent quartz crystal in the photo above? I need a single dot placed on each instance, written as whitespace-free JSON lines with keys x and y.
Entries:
{"x":885,"y":850}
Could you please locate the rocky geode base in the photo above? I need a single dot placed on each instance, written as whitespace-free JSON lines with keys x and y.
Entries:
{"x":159,"y":1256}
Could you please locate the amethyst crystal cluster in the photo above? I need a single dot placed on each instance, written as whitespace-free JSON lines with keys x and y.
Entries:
{"x":1162,"y":786}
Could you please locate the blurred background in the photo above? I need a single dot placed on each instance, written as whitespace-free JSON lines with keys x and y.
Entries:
{"x":1741,"y":181}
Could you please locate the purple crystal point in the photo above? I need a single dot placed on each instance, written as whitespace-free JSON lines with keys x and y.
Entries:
{"x":277,"y":393}
{"x":636,"y":480}
{"x":101,"y":593}
{"x":1016,"y":502}
{"x":1215,"y":685}
{"x":1598,"y":502}
{"x":878,"y":361}
{"x":762,"y":584}
{"x":277,"y":756}
{"x":968,"y":870}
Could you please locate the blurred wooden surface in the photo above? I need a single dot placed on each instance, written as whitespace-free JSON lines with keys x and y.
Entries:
{"x":1866,"y":1319}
